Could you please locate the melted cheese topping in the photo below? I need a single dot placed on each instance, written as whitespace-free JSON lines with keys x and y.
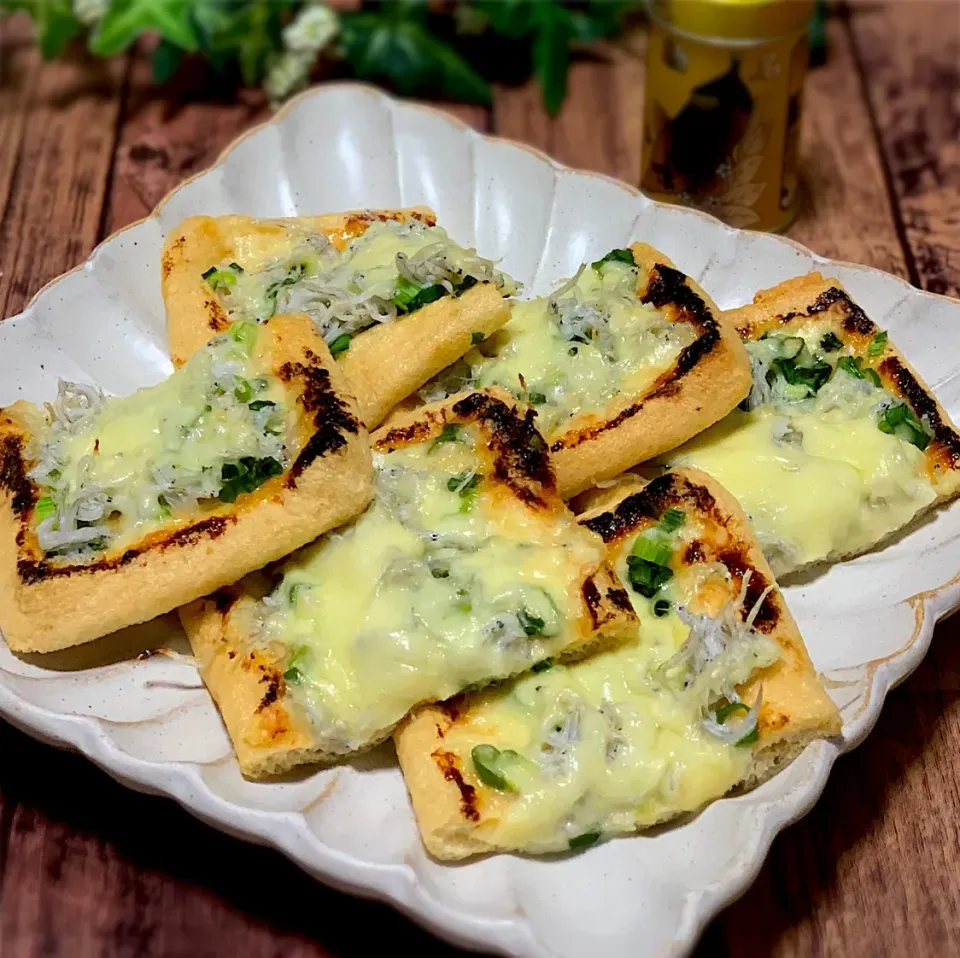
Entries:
{"x":444,"y":582}
{"x":116,"y":468}
{"x":581,"y":348}
{"x":817,"y":477}
{"x":615,"y":743}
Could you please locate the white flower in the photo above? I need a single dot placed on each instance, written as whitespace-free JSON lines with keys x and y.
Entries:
{"x":288,"y":73}
{"x":311,"y":30}
{"x":90,"y":12}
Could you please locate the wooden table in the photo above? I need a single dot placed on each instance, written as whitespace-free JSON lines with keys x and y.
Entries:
{"x":88,"y":868}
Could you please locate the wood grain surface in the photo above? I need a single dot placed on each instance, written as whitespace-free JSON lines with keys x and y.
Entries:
{"x":89,"y":869}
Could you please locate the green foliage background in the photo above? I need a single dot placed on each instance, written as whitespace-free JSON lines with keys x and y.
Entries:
{"x":451,"y":49}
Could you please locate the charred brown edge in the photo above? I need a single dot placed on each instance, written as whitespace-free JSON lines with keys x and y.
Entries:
{"x":521,"y":459}
{"x":13,"y":476}
{"x":857,"y":321}
{"x":632,"y":512}
{"x":593,"y":599}
{"x":275,"y":686}
{"x":447,"y":763}
{"x":666,"y":286}
{"x":32,"y":571}
{"x":332,"y":418}
{"x":923,"y":405}
{"x":224,"y":599}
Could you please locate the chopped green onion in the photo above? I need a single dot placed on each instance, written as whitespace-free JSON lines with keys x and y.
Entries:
{"x":246,"y":475}
{"x":244,"y":335}
{"x":813,"y":377}
{"x":791,"y":347}
{"x":466,"y":485}
{"x":898,"y":420}
{"x":651,"y":550}
{"x":449,"y":433}
{"x":296,"y":590}
{"x":409,"y":297}
{"x":584,"y":840}
{"x":487,"y":762}
{"x":878,"y":345}
{"x":536,"y":399}
{"x":830,"y":342}
{"x":258,"y":404}
{"x":44,"y":508}
{"x":295,"y":672}
{"x":852,"y":366}
{"x":723,"y":712}
{"x":468,"y":282}
{"x":341,"y":344}
{"x":672,"y":520}
{"x":405,"y":292}
{"x":476,"y":338}
{"x":464,"y":482}
{"x":219,"y":279}
{"x":543,"y":666}
{"x":614,"y":256}
{"x":243,"y":391}
{"x":530,"y":623}
{"x":647,"y":577}
{"x":749,"y":738}
{"x":439,"y":573}
{"x":661,"y":608}
{"x":537,"y":443}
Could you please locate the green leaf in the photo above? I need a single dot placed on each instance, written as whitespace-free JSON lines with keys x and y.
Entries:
{"x":513,"y":19}
{"x":601,"y":18}
{"x":256,"y":47}
{"x":551,"y":52}
{"x":165,"y":61}
{"x":382,"y":45}
{"x":126,"y":20}
{"x":54,"y":23}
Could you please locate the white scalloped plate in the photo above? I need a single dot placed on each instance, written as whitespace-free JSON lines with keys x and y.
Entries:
{"x":867,"y":623}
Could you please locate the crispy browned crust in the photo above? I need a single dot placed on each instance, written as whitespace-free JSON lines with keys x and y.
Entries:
{"x":455,"y":811}
{"x":384,"y":364}
{"x":47,"y":605}
{"x":272,"y":736}
{"x":795,"y":302}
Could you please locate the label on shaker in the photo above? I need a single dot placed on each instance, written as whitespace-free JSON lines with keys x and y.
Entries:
{"x":722,"y":126}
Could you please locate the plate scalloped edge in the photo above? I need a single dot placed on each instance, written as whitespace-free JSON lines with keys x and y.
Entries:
{"x":397,"y":883}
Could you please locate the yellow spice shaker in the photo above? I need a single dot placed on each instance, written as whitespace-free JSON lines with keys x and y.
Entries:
{"x":722,"y":111}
